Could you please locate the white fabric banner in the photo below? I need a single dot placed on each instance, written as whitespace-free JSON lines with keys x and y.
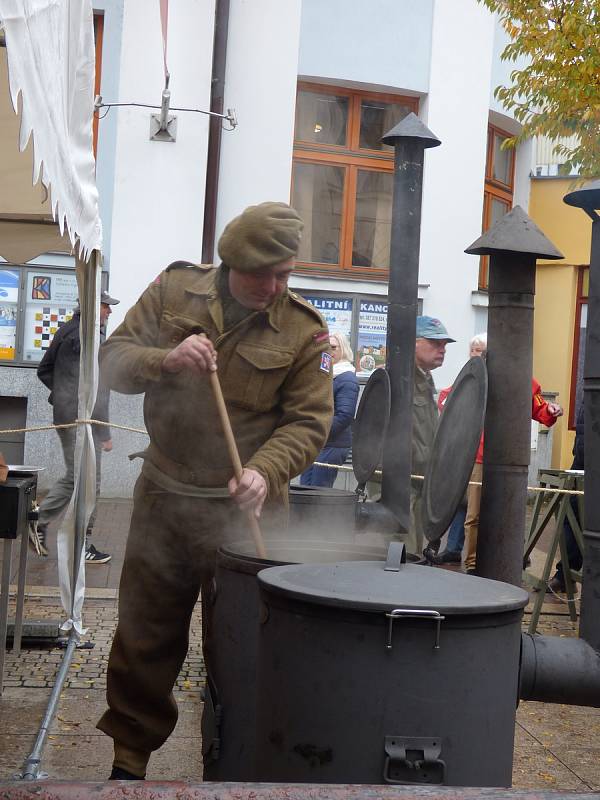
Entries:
{"x":71,"y":535}
{"x":51,"y":63}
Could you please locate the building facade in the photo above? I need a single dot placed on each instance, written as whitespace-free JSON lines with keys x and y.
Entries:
{"x":314,"y":86}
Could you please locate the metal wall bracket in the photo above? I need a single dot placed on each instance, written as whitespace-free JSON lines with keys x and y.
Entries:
{"x":160,"y":134}
{"x":410,"y":759}
{"x":163,"y":126}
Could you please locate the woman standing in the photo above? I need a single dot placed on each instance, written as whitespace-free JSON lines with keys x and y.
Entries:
{"x":345,"y":397}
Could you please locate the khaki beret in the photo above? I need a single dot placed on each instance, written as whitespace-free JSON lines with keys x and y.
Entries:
{"x":261,"y":236}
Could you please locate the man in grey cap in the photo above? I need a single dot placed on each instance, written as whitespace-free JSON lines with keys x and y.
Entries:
{"x":271,"y":349}
{"x":430,"y":349}
{"x":59,"y":371}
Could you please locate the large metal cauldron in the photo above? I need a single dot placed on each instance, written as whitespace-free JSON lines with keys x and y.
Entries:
{"x":229,"y":718}
{"x":374,"y":676}
{"x":320,"y":511}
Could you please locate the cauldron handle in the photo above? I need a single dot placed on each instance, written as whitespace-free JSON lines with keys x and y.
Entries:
{"x":396,"y":556}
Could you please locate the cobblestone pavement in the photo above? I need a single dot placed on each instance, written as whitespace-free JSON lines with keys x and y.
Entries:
{"x":556,"y":746}
{"x":37,"y":665}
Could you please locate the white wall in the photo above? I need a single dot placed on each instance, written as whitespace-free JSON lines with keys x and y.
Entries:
{"x":260,"y":84}
{"x":159,"y":187}
{"x":456,"y":111}
{"x":501,"y":69}
{"x":383,"y":44}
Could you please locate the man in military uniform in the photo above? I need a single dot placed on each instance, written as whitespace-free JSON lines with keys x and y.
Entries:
{"x":271,"y":349}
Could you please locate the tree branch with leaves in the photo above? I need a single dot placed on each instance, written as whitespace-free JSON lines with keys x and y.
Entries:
{"x":557,"y":93}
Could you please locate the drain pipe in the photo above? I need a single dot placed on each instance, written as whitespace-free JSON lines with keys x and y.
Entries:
{"x":215,"y":129}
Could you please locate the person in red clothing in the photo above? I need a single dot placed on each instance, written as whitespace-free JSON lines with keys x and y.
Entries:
{"x":541,"y":411}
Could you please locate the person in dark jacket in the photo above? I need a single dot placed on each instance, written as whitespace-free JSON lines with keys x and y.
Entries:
{"x":59,"y":371}
{"x":345,"y":397}
{"x":557,"y":582}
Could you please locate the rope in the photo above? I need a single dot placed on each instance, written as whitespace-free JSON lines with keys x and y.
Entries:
{"x":344,"y":468}
{"x":341,"y":467}
{"x":74,"y":425}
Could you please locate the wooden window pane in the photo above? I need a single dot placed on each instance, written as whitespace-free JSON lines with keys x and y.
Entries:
{"x":321,"y":118}
{"x":318,"y":196}
{"x":498,"y":208}
{"x":376,"y":119}
{"x":373,"y":219}
{"x":502,"y":164}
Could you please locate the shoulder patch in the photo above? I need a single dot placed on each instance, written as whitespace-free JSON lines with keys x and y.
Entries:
{"x":187,"y":265}
{"x":325,"y":365}
{"x":306,"y":306}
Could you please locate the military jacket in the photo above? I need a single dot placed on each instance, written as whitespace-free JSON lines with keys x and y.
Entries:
{"x":425,"y":420}
{"x":275,"y":372}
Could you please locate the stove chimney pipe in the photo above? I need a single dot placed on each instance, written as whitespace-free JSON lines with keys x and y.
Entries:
{"x":513,"y":244}
{"x":588,"y":199}
{"x":409,"y":138}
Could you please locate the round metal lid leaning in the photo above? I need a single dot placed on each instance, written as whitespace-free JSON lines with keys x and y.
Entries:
{"x":370,"y":425}
{"x":454,"y":448}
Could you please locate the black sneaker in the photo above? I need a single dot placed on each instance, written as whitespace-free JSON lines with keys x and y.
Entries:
{"x":93,"y":556}
{"x":448,"y":557}
{"x":119,"y":774}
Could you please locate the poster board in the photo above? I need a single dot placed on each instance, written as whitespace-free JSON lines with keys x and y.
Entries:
{"x":50,"y":300}
{"x":336,"y":311}
{"x":372,"y":336}
{"x":9,"y":295}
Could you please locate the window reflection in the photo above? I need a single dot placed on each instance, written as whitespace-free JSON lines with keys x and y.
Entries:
{"x":376,"y":119}
{"x":373,"y":220}
{"x":321,"y":118}
{"x":501,"y":170}
{"x":318,"y":197}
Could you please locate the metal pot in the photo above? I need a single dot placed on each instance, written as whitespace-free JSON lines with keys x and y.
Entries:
{"x":229,"y":718}
{"x":367,"y":675}
{"x":318,"y":508}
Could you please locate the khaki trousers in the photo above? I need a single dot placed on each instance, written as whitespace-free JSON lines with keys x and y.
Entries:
{"x":472,"y":518}
{"x":415,"y":537}
{"x":169,"y":559}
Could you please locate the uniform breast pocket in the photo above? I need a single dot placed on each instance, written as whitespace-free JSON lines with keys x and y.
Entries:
{"x":255,"y":375}
{"x":173,"y":330}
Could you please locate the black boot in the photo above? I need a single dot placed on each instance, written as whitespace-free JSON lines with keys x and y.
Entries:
{"x":119,"y":774}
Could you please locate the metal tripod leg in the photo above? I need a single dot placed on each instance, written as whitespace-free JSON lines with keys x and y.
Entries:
{"x":21,"y":592}
{"x":4,"y":586}
{"x":549,"y":563}
{"x":536,"y":528}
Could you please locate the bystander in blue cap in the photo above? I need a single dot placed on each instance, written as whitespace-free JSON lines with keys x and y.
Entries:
{"x":432,"y":328}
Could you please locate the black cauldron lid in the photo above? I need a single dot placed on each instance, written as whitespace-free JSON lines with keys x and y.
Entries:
{"x":370,"y":425}
{"x":454,"y":448}
{"x":368,"y":586}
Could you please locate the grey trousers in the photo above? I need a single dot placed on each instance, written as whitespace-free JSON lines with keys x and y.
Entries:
{"x":60,"y":493}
